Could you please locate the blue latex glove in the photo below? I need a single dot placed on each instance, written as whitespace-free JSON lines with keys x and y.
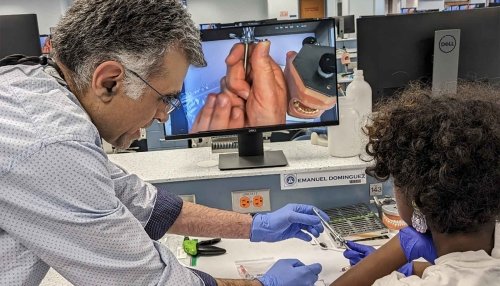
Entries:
{"x":291,"y":272}
{"x":359,"y":251}
{"x":406,"y":269}
{"x":416,"y":244}
{"x":287,"y":222}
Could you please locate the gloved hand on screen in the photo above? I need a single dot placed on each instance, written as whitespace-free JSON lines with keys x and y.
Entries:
{"x":287,"y":222}
{"x":288,"y":272}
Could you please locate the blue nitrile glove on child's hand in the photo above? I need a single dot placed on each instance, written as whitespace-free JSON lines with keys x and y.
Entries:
{"x":416,"y":244}
{"x":359,"y":251}
{"x":291,"y":272}
{"x":287,"y":222}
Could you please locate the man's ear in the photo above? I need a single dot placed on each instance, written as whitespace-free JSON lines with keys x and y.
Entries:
{"x":107,"y":80}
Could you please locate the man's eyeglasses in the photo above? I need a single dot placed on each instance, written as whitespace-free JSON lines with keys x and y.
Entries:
{"x":172,"y":102}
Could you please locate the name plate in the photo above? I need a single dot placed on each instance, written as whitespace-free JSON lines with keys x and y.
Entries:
{"x":322,"y":179}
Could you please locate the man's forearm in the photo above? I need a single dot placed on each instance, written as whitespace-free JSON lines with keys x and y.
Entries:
{"x":198,"y":220}
{"x":238,"y":282}
{"x":382,"y":262}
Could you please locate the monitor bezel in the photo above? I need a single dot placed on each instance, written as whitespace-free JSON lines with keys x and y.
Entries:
{"x":266,"y":128}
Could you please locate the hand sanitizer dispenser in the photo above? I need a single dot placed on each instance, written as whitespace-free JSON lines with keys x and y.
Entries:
{"x":343,"y":139}
{"x":362,"y":92}
{"x":347,"y":139}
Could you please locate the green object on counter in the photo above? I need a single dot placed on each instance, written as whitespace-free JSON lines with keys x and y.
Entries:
{"x":194,"y":259}
{"x":196,"y":248}
{"x":190,"y":247}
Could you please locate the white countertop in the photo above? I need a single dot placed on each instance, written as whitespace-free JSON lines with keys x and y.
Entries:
{"x":183,"y":164}
{"x":224,"y":266}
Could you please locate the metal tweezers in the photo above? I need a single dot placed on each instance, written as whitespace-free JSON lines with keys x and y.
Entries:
{"x":335,"y":235}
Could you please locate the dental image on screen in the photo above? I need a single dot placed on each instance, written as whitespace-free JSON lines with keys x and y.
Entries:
{"x":200,"y":82}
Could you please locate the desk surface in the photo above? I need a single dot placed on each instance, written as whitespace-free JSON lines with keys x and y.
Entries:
{"x":184,"y":164}
{"x":224,"y":266}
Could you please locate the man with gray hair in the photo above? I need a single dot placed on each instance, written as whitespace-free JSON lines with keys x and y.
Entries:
{"x":119,"y":65}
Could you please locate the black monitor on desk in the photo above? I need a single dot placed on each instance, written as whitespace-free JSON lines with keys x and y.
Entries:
{"x":409,"y":10}
{"x":200,"y":82}
{"x":345,"y":25}
{"x":394,"y":50}
{"x":19,"y":35}
{"x":427,"y":11}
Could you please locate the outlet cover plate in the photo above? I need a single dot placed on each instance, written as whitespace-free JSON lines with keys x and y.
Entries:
{"x":188,"y":198}
{"x":251,"y":201}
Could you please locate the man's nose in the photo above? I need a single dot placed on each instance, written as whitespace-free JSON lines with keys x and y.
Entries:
{"x":162,"y":114}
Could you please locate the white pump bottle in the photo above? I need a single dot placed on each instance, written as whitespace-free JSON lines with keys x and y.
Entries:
{"x":347,"y":139}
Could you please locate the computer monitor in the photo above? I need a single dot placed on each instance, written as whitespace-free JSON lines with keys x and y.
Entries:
{"x":209,"y":26}
{"x":409,"y":10}
{"x":43,"y":39}
{"x":19,"y":35}
{"x":200,"y":82}
{"x":45,"y":42}
{"x":427,"y":11}
{"x":348,"y":22}
{"x":404,"y":52}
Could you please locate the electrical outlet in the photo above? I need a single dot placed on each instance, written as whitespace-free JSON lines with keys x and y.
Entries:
{"x":251,"y":201}
{"x":188,"y":198}
{"x":143,"y":134}
{"x":376,"y":189}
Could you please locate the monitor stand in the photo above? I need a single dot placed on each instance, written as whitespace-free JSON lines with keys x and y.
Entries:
{"x":445,"y":65}
{"x":251,"y":154}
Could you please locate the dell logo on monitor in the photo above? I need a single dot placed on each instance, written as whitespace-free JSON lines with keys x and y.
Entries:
{"x":447,"y":44}
{"x":251,"y":130}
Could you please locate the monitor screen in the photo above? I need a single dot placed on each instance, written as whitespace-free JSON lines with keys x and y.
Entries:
{"x":19,"y":35}
{"x":410,"y":10}
{"x":349,"y":26}
{"x":200,"y":82}
{"x":391,"y":60}
{"x":216,"y":44}
{"x":43,"y":39}
{"x":427,"y":11}
{"x":45,"y":42}
{"x":209,"y":26}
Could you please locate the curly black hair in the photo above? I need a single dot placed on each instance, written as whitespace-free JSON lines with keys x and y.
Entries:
{"x":441,"y":152}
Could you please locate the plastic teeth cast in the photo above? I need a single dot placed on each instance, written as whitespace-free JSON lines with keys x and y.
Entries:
{"x":392,"y":222}
{"x":302,"y":108}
